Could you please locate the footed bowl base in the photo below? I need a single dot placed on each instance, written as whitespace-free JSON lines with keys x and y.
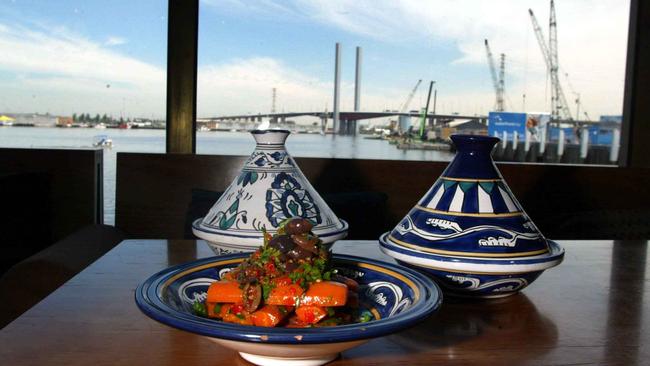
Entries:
{"x":283,"y":361}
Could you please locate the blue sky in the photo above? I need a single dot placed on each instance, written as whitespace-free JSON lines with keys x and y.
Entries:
{"x":110,"y":56}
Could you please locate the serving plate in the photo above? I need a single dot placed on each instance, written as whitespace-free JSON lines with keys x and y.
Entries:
{"x":398,"y":298}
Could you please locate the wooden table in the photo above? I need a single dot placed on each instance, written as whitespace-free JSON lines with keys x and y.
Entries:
{"x":590,"y":310}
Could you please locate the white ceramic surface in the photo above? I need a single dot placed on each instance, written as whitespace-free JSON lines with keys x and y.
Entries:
{"x":269,"y":189}
{"x":288,"y":354}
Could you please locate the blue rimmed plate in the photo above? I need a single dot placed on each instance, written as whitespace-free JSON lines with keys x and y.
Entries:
{"x":397,"y":296}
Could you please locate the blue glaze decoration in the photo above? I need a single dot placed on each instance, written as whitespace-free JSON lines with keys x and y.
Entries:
{"x":493,"y":277}
{"x":473,"y":158}
{"x":470,"y":211}
{"x":556,"y":253}
{"x":167,"y":295}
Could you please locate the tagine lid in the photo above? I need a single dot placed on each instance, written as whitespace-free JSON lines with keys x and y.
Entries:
{"x":269,"y":189}
{"x":470,"y":211}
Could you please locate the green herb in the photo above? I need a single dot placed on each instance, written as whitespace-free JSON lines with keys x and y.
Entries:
{"x":240,"y":316}
{"x":266,"y":290}
{"x":330,"y":311}
{"x":330,"y":321}
{"x":217,"y":308}
{"x":365,"y":316}
{"x":198,"y":307}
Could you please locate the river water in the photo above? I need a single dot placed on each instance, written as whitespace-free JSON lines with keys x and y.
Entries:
{"x":212,"y":143}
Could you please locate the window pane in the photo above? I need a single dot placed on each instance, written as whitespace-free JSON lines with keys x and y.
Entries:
{"x":259,"y":57}
{"x":94,"y":65}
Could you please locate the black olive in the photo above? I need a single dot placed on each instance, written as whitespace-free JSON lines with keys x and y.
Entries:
{"x":352,"y":284}
{"x":283,"y":243}
{"x":290,"y":266}
{"x":306,"y":241}
{"x":298,"y":225}
{"x":252,"y":296}
{"x":299,"y":253}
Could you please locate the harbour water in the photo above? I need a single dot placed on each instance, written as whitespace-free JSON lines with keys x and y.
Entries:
{"x":212,"y":143}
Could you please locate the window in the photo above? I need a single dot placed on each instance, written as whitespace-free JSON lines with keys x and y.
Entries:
{"x":262,"y":57}
{"x":81,"y":73}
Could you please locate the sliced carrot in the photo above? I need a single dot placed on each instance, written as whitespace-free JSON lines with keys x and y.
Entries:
{"x":269,"y":315}
{"x":281,"y":281}
{"x":236,"y":314}
{"x":225,"y":292}
{"x":325,"y":293}
{"x":309,"y":314}
{"x":243,"y":319}
{"x":217,"y":310}
{"x":285,"y":295}
{"x":230,"y":275}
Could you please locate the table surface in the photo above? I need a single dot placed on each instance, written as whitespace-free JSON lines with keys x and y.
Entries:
{"x":589,"y":310}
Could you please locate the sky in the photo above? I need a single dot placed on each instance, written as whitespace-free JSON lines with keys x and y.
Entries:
{"x":109,"y":57}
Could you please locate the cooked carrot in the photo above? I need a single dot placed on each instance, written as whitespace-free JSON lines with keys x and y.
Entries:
{"x":225,"y":292}
{"x":269,"y":315}
{"x":325,"y":293}
{"x":217,"y":310}
{"x":285,"y":295}
{"x":308,"y":314}
{"x":281,"y":281}
{"x":236,"y":314}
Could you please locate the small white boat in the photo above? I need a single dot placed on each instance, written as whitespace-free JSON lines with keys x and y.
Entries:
{"x":102,"y":141}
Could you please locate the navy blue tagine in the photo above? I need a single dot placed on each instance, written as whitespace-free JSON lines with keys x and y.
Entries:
{"x":470,"y":232}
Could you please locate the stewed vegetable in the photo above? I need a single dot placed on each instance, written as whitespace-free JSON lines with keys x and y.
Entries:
{"x":288,"y":281}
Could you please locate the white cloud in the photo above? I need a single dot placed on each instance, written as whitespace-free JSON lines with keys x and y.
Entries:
{"x":61,"y":72}
{"x":115,"y":41}
{"x":245,"y":86}
{"x":70,"y":70}
{"x":592,"y":37}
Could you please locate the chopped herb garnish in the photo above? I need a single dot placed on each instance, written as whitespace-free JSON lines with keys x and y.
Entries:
{"x":198,"y":307}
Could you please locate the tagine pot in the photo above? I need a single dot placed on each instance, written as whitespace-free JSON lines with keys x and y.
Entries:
{"x":469,"y":231}
{"x":269,"y":189}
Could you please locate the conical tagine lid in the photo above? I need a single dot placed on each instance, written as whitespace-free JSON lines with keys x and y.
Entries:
{"x":269,"y":189}
{"x":470,"y":211}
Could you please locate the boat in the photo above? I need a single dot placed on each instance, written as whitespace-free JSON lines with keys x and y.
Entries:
{"x":102,"y":141}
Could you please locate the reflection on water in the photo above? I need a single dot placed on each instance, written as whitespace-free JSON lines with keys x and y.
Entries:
{"x":216,"y":143}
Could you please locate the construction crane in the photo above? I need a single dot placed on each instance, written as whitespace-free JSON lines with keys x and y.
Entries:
{"x":405,"y":106}
{"x":559,"y":105}
{"x":497,"y":81}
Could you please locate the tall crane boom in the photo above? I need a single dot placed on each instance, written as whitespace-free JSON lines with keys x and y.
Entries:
{"x":496,"y":81}
{"x":502,"y":87}
{"x":559,"y":105}
{"x":410,"y":97}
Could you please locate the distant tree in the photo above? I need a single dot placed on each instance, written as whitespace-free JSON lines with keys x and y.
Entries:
{"x":74,"y":117}
{"x":97,"y":118}
{"x":121,"y":120}
{"x":104,"y":118}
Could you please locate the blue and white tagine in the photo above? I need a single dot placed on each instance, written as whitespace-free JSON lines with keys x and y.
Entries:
{"x":469,"y":231}
{"x":269,"y":189}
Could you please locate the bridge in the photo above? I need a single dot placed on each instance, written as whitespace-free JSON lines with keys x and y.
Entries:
{"x":348,"y":120}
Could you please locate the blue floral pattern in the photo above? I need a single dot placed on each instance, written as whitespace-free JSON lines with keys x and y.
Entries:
{"x":264,"y":159}
{"x":247,"y":177}
{"x":286,"y":198}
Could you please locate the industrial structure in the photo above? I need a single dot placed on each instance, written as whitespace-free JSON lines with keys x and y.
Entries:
{"x":559,"y":106}
{"x":497,"y":81}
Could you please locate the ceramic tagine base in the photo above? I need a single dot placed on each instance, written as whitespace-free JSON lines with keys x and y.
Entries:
{"x":269,"y":189}
{"x":469,"y":232}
